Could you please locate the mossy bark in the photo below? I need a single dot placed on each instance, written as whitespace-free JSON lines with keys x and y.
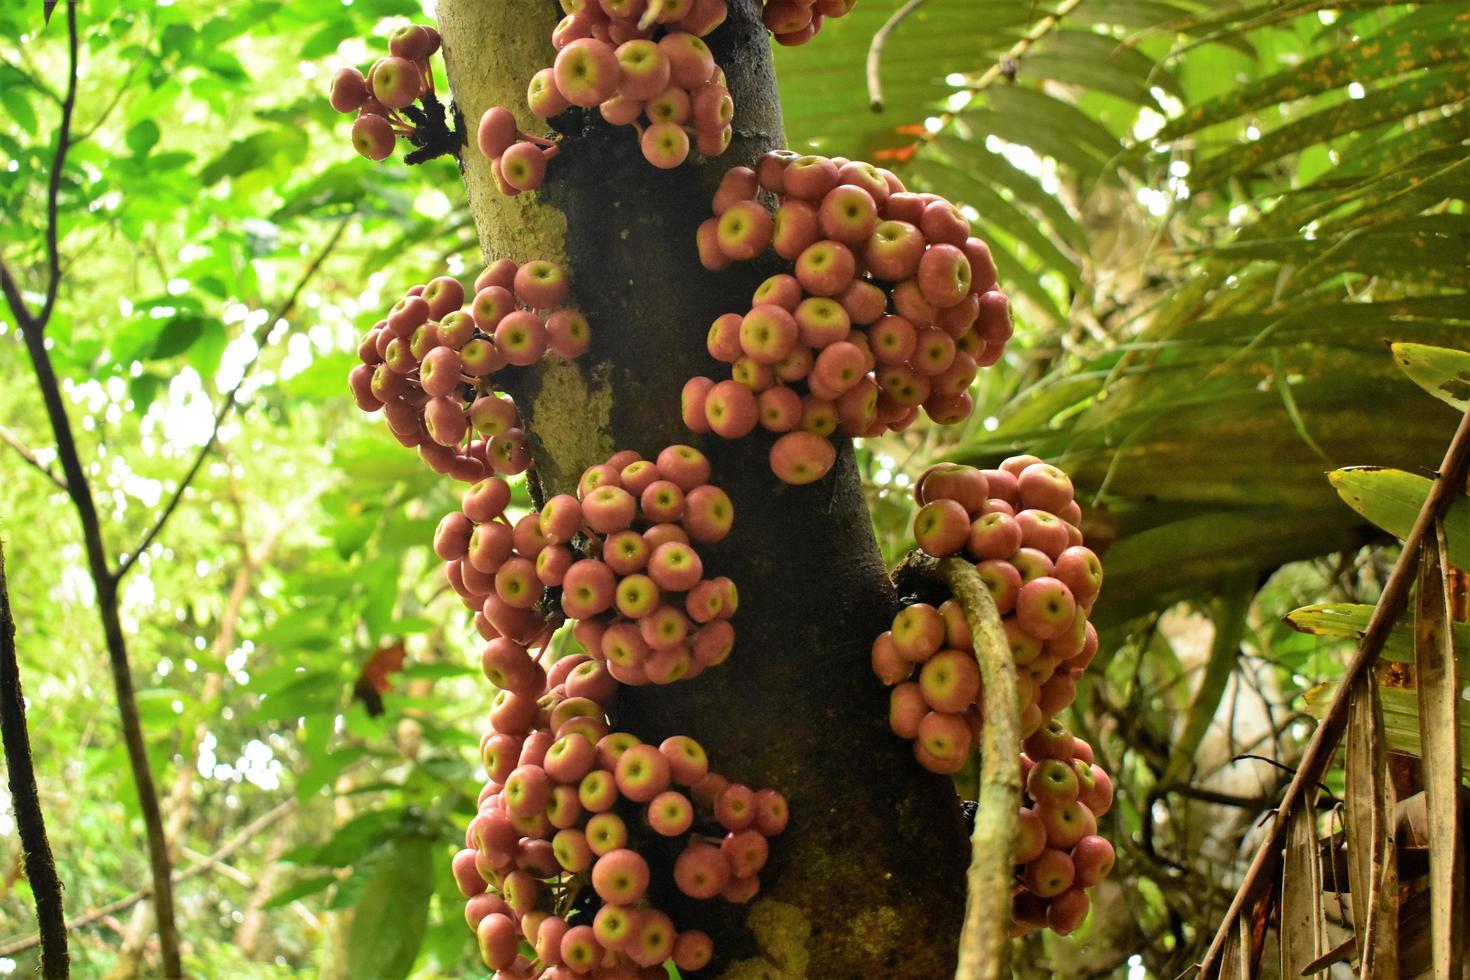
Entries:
{"x":869,"y":879}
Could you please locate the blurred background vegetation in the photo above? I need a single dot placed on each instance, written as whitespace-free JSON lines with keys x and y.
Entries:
{"x":1211,"y":218}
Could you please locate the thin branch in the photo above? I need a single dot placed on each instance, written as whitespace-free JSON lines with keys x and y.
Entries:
{"x":241,"y":837}
{"x":231,"y":399}
{"x":875,"y":52}
{"x":1447,"y":485}
{"x":39,"y":864}
{"x":25,"y":452}
{"x":80,"y":490}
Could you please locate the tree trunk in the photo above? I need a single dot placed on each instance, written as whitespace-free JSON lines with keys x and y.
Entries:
{"x":869,"y":879}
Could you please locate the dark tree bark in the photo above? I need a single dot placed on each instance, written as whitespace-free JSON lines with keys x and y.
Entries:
{"x":869,"y":879}
{"x":40,"y":865}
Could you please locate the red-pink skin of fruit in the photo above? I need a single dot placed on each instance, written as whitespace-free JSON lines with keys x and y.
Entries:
{"x":779,"y":290}
{"x":905,"y":206}
{"x":941,"y":528}
{"x":1003,"y":581}
{"x":500,"y":754}
{"x":597,"y":792}
{"x":1043,"y":531}
{"x":906,"y":708}
{"x":943,"y":765}
{"x":644,"y":69}
{"x":704,"y":602}
{"x":690,"y":62}
{"x":893,"y":251}
{"x":707,"y":242}
{"x":498,"y":940}
{"x":452,"y":537}
{"x":490,"y":547}
{"x":848,"y":214}
{"x":796,"y":226}
{"x":1067,"y":824}
{"x":637,"y":596}
{"x":713,"y":642}
{"x":701,"y":871}
{"x":745,"y":229}
{"x":523,"y":166}
{"x":349,"y":90}
{"x":675,"y":567}
{"x":994,"y":319}
{"x":527,"y":790}
{"x":661,"y":501}
{"x":517,"y":584}
{"x":466,"y":875}
{"x":516,"y":669}
{"x":497,"y":131}
{"x":586,"y":72}
{"x":608,"y":509}
{"x":606,"y":929}
{"x":734,"y":807}
{"x":625,"y":552}
{"x":738,"y":184}
{"x":533,"y":749}
{"x":858,"y":406}
{"x":480,"y":906}
{"x":570,"y":758}
{"x":1099,"y":798}
{"x":1052,"y":741}
{"x":964,"y":685}
{"x":691,"y":403}
{"x":712,"y":108}
{"x":687,"y":761}
{"x":620,"y":864}
{"x":663,"y":533}
{"x":723,"y":339}
{"x":799,"y":458}
{"x":541,"y":285}
{"x":780,"y":409}
{"x":944,"y":735}
{"x":500,"y":273}
{"x":1031,"y":836}
{"x":893,"y":339}
{"x":753,"y":374}
{"x":820,"y":320}
{"x":1045,"y":607}
{"x":910,"y":303}
{"x":670,"y":813}
{"x":567,"y":334}
{"x":587,"y":589}
{"x":1067,"y":911}
{"x":918,"y":631}
{"x":746,"y":851}
{"x":671,"y":105}
{"x":770,"y":170}
{"x":665,"y":145}
{"x":1093,"y":859}
{"x":864,"y":302}
{"x":1049,"y":874}
{"x":839,"y":367}
{"x":888,"y":666}
{"x":934,"y":352}
{"x":944,"y":276}
{"x":982,"y":265}
{"x":642,"y":773}
{"x":772,"y":812}
{"x":731,"y":409}
{"x":826,"y":268}
{"x":693,"y":950}
{"x":1044,"y":487}
{"x":537,"y":857}
{"x":1052,"y":783}
{"x":810,"y":177}
{"x":768,"y":333}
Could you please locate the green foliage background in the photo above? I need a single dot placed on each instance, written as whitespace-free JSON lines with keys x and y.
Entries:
{"x":1211,"y":218}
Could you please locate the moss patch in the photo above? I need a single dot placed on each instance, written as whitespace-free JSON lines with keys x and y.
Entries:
{"x":781,"y":931}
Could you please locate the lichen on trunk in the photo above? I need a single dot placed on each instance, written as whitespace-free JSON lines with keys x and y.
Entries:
{"x":869,"y":878}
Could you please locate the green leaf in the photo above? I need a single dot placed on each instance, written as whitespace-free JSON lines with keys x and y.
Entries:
{"x":1349,"y":620}
{"x":1391,"y":499}
{"x":309,"y":885}
{"x":390,"y":916}
{"x":1441,"y":371}
{"x":18,"y":106}
{"x":178,"y":334}
{"x":142,"y":137}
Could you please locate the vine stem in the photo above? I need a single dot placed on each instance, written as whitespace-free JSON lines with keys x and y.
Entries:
{"x":1448,"y":484}
{"x":40,"y":865}
{"x":984,"y":940}
{"x":875,"y":52}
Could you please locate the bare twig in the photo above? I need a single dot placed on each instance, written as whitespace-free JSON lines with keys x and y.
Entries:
{"x":32,"y":328}
{"x":25,"y":453}
{"x":26,"y":798}
{"x":241,"y":837}
{"x":231,"y":399}
{"x":875,"y":52}
{"x":1447,"y":485}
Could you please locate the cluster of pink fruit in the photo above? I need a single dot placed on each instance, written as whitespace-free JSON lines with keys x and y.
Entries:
{"x":428,"y":363}
{"x":891,"y":305}
{"x":640,"y":64}
{"x":564,"y":808}
{"x":794,"y":22}
{"x":566,"y":800}
{"x":1019,"y":524}
{"x":383,"y":98}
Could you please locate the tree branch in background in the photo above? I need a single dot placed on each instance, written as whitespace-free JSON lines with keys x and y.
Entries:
{"x":1448,"y":484}
{"x":103,"y":912}
{"x":26,"y":798}
{"x":875,"y":52}
{"x":32,"y":328}
{"x":231,"y":399}
{"x":13,"y":441}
